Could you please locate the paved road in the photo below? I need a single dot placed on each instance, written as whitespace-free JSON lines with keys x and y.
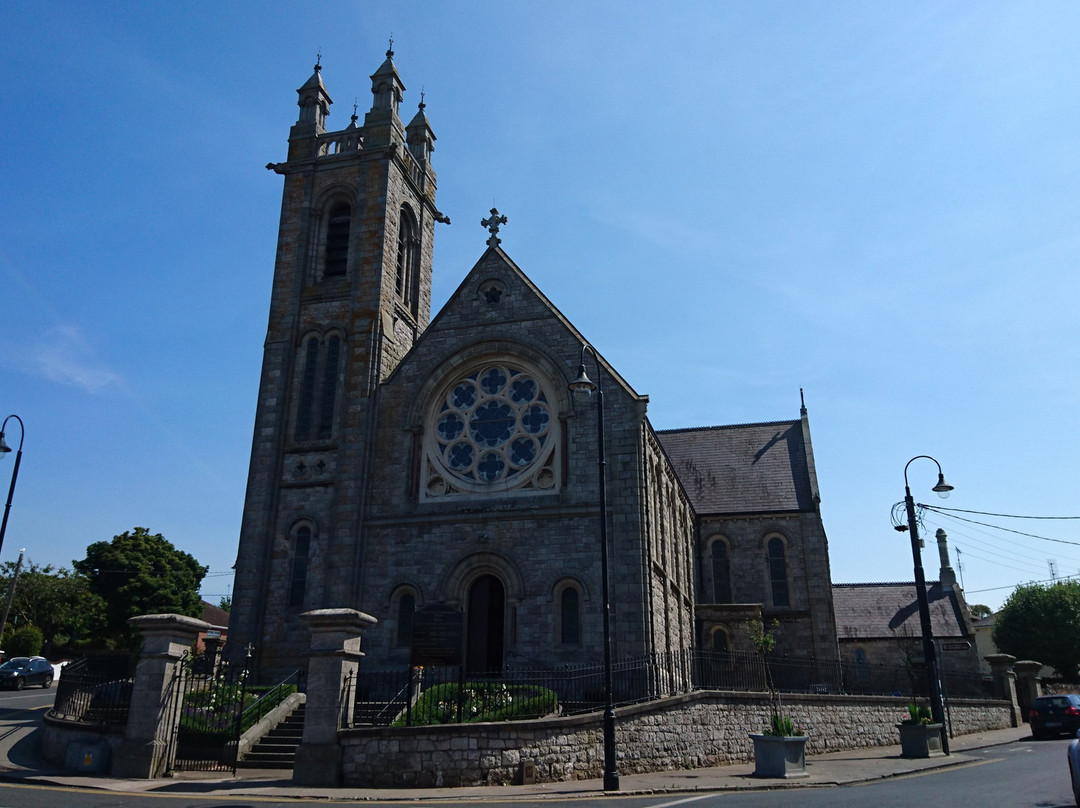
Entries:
{"x":1025,"y":774}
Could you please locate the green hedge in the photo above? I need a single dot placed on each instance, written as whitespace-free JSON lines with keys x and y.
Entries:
{"x":213,"y":710}
{"x":481,"y":701}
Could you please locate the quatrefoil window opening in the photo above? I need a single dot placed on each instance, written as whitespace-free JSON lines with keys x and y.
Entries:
{"x":492,"y":425}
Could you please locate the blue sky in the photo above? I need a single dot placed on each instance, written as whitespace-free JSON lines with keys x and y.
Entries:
{"x":873,"y":202}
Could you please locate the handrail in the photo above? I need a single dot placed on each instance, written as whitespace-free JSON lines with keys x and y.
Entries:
{"x":395,"y":699}
{"x":264,"y":700}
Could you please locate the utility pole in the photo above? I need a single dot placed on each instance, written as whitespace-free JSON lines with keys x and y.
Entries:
{"x":11,"y":593}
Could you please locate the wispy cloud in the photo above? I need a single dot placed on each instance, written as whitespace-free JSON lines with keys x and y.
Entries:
{"x":64,"y":355}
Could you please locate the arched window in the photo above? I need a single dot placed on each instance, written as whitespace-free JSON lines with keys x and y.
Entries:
{"x":318,"y":385}
{"x":406,"y":606}
{"x":307,"y":390}
{"x":298,"y":578}
{"x":336,"y":258}
{"x":719,"y":641}
{"x":570,"y":616}
{"x":408,"y":248}
{"x":778,"y":573}
{"x":721,"y":572}
{"x":329,"y":387}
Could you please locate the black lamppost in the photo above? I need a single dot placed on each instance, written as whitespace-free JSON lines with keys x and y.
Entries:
{"x":583,"y":384}
{"x":4,"y":449}
{"x":942,"y":489}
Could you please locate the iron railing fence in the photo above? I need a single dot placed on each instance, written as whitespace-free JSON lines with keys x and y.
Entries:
{"x":737,"y":670}
{"x":441,"y":695}
{"x":267,"y":698}
{"x":95,"y":690}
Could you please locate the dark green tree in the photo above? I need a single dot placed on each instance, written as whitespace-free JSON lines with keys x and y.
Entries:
{"x":1042,"y":622}
{"x":225,"y":603}
{"x":25,"y":641}
{"x":57,"y":601}
{"x":141,"y":573}
{"x":979,"y":610}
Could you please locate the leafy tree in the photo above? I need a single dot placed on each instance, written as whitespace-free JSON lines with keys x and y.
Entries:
{"x":1042,"y":622}
{"x":141,"y":573}
{"x":979,"y":610}
{"x":57,"y":601}
{"x":25,"y":641}
{"x":225,"y":603}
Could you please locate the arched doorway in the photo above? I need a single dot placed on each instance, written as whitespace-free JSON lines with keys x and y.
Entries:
{"x":486,"y":623}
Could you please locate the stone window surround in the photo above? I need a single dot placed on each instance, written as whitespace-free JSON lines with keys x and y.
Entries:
{"x":426,"y":410}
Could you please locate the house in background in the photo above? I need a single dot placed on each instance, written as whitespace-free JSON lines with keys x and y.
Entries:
{"x":879,"y":625}
{"x":218,"y":619}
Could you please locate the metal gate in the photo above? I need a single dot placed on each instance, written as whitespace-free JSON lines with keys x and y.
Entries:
{"x":207,"y":698}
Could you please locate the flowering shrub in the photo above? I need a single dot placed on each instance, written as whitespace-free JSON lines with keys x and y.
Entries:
{"x":481,"y":701}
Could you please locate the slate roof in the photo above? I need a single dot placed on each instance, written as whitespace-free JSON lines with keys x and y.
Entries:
{"x":876,"y":611}
{"x":214,"y":615}
{"x":747,"y":468}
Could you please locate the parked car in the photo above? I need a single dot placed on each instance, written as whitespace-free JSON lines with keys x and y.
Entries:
{"x":1051,"y":716}
{"x":1074,"y":768}
{"x":20,"y":671}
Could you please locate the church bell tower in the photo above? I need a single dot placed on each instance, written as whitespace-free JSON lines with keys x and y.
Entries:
{"x":351,"y":294}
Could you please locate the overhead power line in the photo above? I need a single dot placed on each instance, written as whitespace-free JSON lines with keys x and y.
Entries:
{"x":1002,"y":515}
{"x":942,"y":511}
{"x":1013,"y":586}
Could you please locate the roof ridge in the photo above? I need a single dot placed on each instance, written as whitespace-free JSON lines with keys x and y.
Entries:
{"x":723,"y":426}
{"x":880,"y":583}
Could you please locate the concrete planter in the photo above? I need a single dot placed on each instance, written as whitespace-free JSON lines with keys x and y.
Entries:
{"x":779,"y":756}
{"x":920,"y":740}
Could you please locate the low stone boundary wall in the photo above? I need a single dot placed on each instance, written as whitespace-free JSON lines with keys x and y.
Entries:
{"x":703,"y":728}
{"x":77,"y":745}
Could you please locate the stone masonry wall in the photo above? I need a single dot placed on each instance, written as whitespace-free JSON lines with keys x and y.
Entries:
{"x":695,"y":730}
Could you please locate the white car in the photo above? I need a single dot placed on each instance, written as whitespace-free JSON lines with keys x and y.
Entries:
{"x":1074,"y":766}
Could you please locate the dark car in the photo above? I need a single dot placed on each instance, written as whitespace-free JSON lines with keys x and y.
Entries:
{"x":20,"y":671}
{"x":1053,"y":715}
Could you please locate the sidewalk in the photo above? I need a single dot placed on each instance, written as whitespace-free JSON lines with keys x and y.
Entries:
{"x":19,"y":762}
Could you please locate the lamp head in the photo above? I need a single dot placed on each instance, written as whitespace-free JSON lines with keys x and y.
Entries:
{"x":582,"y":384}
{"x":4,"y":448}
{"x":942,"y":489}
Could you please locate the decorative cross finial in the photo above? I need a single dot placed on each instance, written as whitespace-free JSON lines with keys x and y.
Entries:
{"x":390,"y":50}
{"x":421,"y":98}
{"x":354,"y":110}
{"x":318,"y":61}
{"x":492,"y":223}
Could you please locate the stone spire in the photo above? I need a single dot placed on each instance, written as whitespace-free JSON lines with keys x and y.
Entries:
{"x":420,"y":137}
{"x":382,"y":126}
{"x":386,"y":85}
{"x":314,"y":101}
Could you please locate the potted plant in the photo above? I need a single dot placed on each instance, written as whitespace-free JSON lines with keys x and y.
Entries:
{"x":779,"y":751}
{"x":920,"y":737}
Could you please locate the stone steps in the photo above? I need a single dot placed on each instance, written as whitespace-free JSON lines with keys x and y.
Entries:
{"x":277,"y":749}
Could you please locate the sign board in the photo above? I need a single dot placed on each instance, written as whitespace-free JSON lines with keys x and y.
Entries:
{"x":437,"y":636}
{"x":956,"y":646}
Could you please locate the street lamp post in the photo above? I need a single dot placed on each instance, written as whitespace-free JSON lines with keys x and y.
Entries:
{"x":4,"y":449}
{"x":583,"y":384}
{"x":942,"y":489}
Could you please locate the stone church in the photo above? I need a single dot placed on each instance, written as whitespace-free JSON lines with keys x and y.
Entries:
{"x":402,"y":461}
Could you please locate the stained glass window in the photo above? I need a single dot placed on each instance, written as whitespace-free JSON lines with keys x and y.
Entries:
{"x":492,"y":424}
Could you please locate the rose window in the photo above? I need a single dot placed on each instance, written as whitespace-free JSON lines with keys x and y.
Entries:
{"x":493,"y":425}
